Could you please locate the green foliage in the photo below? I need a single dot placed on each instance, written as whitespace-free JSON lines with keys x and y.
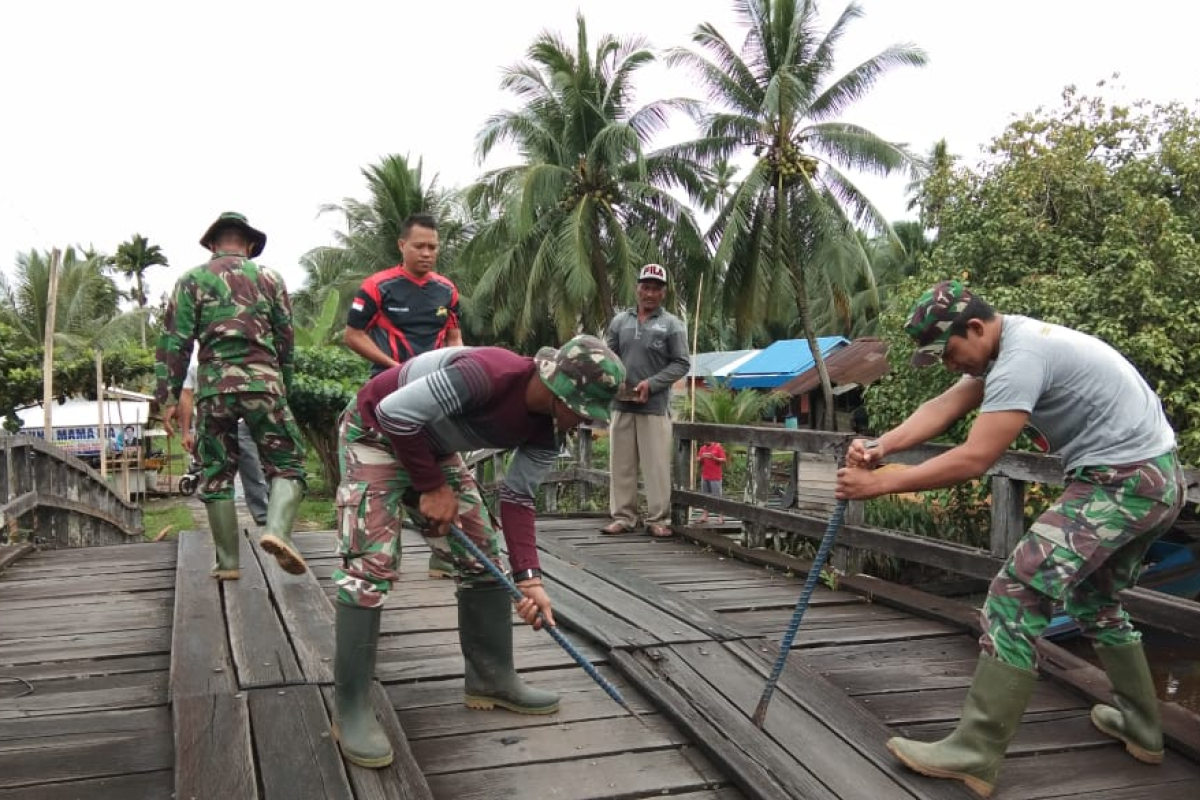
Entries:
{"x":723,"y":405}
{"x":1086,"y":216}
{"x":326,"y":380}
{"x":562,"y":233}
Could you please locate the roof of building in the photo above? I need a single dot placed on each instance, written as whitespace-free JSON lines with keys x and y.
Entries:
{"x":861,"y":362}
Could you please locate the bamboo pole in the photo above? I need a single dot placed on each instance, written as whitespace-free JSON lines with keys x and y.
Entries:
{"x":100,"y":414}
{"x":692,"y":389}
{"x":48,"y":347}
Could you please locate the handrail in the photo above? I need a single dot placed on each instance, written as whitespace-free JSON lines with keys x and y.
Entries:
{"x":60,"y":499}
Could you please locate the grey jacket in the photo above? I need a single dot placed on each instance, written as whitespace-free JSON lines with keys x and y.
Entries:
{"x":656,"y":349}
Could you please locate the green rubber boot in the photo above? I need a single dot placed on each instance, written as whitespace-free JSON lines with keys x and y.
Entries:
{"x":223,"y":523}
{"x":972,"y":753}
{"x":355,"y":727}
{"x":284,"y":502}
{"x":439,"y":568}
{"x":1133,"y":717}
{"x":485,"y":631}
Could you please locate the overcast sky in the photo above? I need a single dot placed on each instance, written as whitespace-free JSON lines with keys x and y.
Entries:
{"x":153,"y":117}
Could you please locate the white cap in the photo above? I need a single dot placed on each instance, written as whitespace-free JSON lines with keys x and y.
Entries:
{"x":652,"y":272}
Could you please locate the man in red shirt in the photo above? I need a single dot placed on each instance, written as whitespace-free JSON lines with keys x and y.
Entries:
{"x":406,"y":310}
{"x":712,"y":473}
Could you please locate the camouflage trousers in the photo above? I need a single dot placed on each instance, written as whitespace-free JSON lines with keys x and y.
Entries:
{"x":272,"y":426}
{"x":1080,"y":553}
{"x":373,"y":497}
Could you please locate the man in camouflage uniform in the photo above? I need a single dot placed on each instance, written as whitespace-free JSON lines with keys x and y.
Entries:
{"x":1124,"y":489}
{"x":399,"y":446}
{"x":240,"y":314}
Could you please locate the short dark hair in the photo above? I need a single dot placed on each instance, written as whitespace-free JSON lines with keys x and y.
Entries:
{"x":976,"y":308}
{"x":421,"y":220}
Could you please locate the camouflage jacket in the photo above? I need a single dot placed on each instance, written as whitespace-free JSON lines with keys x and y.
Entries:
{"x":240,"y":315}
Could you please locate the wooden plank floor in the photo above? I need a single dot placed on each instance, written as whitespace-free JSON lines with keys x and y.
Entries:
{"x":226,"y":692}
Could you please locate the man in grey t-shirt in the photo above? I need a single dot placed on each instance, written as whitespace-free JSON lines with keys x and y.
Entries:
{"x":1124,"y":489}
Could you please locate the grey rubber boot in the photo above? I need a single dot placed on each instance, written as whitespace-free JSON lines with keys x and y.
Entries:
{"x":223,"y":523}
{"x":973,"y":751}
{"x":485,"y":631}
{"x":284,"y":502}
{"x":355,"y":727}
{"x":1133,"y":717}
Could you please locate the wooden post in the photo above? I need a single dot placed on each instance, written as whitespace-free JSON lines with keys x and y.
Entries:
{"x":1008,"y":514}
{"x":683,"y":449}
{"x":585,"y":462}
{"x":48,"y":347}
{"x":758,"y":486}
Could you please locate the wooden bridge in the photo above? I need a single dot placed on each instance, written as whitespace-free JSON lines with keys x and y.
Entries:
{"x":126,"y":672}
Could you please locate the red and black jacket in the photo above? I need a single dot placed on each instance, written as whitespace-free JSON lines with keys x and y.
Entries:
{"x":405,"y":315}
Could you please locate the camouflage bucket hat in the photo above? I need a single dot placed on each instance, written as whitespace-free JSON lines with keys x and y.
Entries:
{"x":931,"y":317}
{"x":584,"y":373}
{"x":232,"y":219}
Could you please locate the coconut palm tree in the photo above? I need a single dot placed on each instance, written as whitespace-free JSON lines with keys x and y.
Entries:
{"x":565,"y":229}
{"x":87,"y":311}
{"x":133,"y":258}
{"x":777,"y":97}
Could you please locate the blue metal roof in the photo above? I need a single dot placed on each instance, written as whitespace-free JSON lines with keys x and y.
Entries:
{"x":780,"y":362}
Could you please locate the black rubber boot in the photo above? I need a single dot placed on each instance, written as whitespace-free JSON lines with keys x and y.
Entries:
{"x":485,"y":631}
{"x":355,"y":727}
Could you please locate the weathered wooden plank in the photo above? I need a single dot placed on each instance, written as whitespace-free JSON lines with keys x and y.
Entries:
{"x":547,"y":742}
{"x":102,"y":751}
{"x":402,"y":779}
{"x":410,"y":658}
{"x":307,"y":616}
{"x":213,"y":753}
{"x":200,"y":660}
{"x":853,"y":724}
{"x":579,"y":613}
{"x":620,"y":776}
{"x":138,"y":690}
{"x":93,"y":619}
{"x":755,"y":763}
{"x":912,"y":677}
{"x":259,"y":646}
{"x":1151,"y":789}
{"x":141,"y":786}
{"x":164,"y":596}
{"x":1083,"y":771}
{"x":159,"y":662}
{"x":39,"y":589}
{"x":297,"y":757}
{"x":587,"y":705}
{"x":934,"y":705}
{"x":569,"y":682}
{"x":650,"y":594}
{"x":775,"y":620}
{"x":638,"y":610}
{"x":73,"y":646}
{"x":21,"y":733}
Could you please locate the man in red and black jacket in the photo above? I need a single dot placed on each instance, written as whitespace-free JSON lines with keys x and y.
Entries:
{"x":409,"y":309}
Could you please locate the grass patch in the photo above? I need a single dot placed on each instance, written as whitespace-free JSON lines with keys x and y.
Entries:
{"x":172,"y":511}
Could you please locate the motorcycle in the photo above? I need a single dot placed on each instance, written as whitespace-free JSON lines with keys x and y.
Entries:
{"x":191,"y":480}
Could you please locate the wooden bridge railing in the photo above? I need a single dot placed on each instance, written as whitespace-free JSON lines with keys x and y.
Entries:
{"x":1009,"y":478}
{"x":58,"y":500}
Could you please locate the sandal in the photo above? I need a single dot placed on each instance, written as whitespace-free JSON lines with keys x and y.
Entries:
{"x":660,"y":531}
{"x":615,"y":528}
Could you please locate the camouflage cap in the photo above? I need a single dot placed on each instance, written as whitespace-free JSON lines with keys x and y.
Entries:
{"x":930,"y":319}
{"x":232,"y":219}
{"x":584,"y":373}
